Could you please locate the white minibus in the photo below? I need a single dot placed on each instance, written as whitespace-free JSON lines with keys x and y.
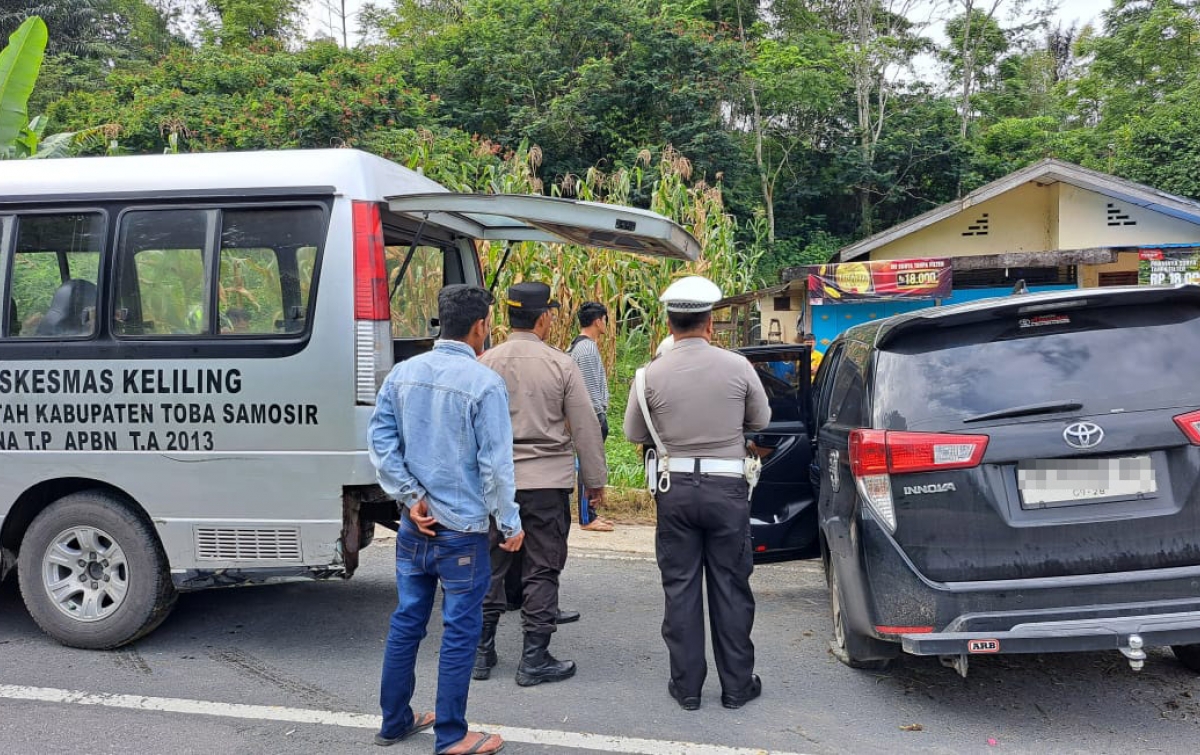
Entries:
{"x":190,"y":349}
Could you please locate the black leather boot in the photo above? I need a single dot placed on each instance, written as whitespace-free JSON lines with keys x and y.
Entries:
{"x":537,"y":665}
{"x":485,"y":654}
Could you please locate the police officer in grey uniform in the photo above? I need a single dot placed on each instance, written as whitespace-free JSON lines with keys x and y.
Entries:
{"x":553,"y":421}
{"x":702,"y":400}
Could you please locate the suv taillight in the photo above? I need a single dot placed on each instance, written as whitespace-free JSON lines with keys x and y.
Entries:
{"x":1190,"y":424}
{"x":930,"y":452}
{"x":877,"y":454}
{"x":372,"y":315}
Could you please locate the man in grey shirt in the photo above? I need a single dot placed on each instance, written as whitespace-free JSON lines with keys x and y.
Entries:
{"x":702,"y":400}
{"x":552,"y":421}
{"x":585,"y":350}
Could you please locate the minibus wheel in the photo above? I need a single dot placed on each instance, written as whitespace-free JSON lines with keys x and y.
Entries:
{"x":93,"y":573}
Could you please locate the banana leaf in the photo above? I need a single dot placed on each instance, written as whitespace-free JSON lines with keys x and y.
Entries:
{"x":20,"y":62}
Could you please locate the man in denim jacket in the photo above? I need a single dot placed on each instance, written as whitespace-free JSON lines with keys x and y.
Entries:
{"x":441,"y":443}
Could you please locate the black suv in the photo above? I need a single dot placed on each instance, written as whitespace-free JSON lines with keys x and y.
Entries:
{"x":1016,"y":475}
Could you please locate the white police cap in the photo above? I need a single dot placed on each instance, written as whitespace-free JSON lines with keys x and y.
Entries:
{"x":694,"y":293}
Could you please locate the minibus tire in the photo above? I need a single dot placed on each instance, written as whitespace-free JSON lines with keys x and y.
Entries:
{"x":1188,"y":655}
{"x":100,"y":542}
{"x":849,"y":647}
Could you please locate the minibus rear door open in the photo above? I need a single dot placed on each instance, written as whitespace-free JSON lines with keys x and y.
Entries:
{"x":520,"y":217}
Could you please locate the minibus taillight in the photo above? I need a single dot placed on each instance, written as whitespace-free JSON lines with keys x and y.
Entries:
{"x":1190,"y":425}
{"x":372,"y":316}
{"x":370,"y":269}
{"x":875,"y":455}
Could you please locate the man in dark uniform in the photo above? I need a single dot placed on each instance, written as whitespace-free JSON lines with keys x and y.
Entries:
{"x":552,"y":420}
{"x":702,"y":400}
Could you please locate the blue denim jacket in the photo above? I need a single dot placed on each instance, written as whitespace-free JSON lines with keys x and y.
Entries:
{"x":441,"y":431}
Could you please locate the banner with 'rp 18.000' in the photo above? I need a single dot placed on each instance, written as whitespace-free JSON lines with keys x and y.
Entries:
{"x":879,"y":280}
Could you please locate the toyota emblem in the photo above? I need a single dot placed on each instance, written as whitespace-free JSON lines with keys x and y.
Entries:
{"x":1083,"y":435}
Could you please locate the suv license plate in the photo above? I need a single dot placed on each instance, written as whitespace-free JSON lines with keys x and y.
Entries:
{"x":1063,"y":482}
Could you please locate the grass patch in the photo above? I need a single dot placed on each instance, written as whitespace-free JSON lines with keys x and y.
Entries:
{"x":624,"y":458}
{"x":629,"y":506}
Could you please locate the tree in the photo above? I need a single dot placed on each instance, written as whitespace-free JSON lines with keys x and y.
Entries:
{"x":1149,"y":49}
{"x":337,"y":19}
{"x":20,"y":61}
{"x":107,"y":30}
{"x":792,"y":85}
{"x":1162,"y":146}
{"x":1028,"y":83}
{"x":976,"y":44}
{"x":215,"y":98}
{"x":407,"y":23}
{"x":880,"y":38}
{"x":73,"y":23}
{"x":241,"y":22}
{"x":587,"y":82}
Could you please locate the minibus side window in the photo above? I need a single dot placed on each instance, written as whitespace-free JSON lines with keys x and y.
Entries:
{"x":414,"y":305}
{"x":161,"y":279}
{"x":218,"y":271}
{"x":52,"y":280}
{"x":268,"y":256}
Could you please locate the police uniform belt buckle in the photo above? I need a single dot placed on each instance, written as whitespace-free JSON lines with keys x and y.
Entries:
{"x":720,"y":467}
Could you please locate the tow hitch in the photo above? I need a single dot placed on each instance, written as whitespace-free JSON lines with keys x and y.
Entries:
{"x":956,"y":662}
{"x":1134,"y":652}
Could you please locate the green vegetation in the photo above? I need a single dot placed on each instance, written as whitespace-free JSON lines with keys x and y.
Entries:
{"x":624,"y":462}
{"x":814,"y":122}
{"x":20,"y":61}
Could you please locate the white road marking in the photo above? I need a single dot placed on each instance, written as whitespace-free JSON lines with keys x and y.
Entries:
{"x":610,"y":556}
{"x":571,"y":739}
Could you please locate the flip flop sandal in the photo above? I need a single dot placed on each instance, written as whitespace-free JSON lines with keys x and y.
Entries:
{"x":477,"y":749}
{"x":420,"y":723}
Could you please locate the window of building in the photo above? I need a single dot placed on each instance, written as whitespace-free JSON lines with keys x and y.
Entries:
{"x":1119,"y":278}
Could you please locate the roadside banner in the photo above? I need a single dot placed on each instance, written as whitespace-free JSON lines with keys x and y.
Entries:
{"x":879,"y":280}
{"x":1168,"y":267}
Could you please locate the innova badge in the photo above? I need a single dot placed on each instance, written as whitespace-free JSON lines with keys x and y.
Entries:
{"x":1083,"y":435}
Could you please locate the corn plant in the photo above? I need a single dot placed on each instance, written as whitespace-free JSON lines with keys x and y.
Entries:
{"x":628,"y":284}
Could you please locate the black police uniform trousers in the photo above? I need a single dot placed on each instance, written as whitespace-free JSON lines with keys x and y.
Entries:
{"x":540,"y":560}
{"x":704,"y":531}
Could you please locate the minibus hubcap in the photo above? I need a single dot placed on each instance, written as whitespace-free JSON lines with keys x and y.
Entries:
{"x":85,"y":573}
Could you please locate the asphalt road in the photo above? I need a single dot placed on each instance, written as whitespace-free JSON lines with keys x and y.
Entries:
{"x":317,"y":647}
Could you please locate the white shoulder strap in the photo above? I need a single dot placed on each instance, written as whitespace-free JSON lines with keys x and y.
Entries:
{"x":639,"y":387}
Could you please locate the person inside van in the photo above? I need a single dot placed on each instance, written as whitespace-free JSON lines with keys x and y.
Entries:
{"x":238,"y":320}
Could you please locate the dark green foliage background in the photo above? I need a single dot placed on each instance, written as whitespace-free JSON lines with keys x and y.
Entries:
{"x":452,"y":86}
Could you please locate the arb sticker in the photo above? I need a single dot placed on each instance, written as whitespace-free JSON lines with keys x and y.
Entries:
{"x":983,"y":646}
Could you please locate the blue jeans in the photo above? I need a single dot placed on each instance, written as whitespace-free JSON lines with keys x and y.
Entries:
{"x":459,"y":560}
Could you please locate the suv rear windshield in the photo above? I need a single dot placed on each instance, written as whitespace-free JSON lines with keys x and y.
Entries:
{"x":1112,"y":358}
